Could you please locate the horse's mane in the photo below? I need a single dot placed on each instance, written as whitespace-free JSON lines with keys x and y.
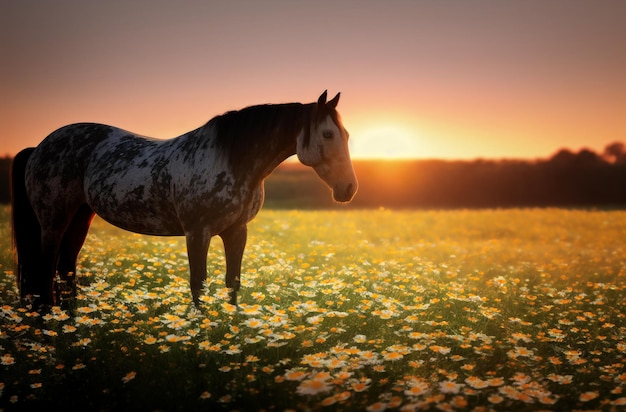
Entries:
{"x":239,"y":130}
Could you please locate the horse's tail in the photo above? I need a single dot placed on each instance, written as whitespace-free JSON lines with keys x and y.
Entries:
{"x":25,"y":225}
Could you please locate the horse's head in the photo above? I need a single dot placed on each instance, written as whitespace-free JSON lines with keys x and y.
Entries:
{"x":323,"y":145}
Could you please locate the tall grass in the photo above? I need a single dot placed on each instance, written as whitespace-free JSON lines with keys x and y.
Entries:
{"x":357,"y":310}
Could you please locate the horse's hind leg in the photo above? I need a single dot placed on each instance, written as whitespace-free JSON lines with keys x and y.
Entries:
{"x":71,"y":244}
{"x":50,"y":245}
{"x":234,"y":244}
{"x":54,"y":225}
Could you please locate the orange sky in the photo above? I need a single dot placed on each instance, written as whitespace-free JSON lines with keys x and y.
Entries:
{"x":418,"y":78}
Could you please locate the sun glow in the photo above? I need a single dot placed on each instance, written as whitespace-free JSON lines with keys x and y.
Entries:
{"x":384,"y":141}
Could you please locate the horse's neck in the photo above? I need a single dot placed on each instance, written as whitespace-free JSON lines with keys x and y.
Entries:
{"x":298,"y":119}
{"x":267,"y":140}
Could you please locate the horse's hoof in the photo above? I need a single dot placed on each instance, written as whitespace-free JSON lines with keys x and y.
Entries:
{"x":40,"y":307}
{"x":69,"y":305}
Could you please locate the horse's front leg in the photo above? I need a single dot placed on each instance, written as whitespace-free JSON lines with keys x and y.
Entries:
{"x":234,"y":244}
{"x":198,"y":241}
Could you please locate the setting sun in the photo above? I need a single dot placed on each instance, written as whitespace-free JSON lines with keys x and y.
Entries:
{"x":385,"y":141}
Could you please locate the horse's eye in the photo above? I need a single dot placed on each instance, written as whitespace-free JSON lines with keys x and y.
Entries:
{"x":327,"y":134}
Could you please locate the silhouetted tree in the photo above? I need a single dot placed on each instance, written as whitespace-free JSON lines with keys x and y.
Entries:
{"x":587,"y":157}
{"x":615,"y":153}
{"x":563,"y":156}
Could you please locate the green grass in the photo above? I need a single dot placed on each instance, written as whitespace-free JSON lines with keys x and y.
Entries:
{"x":354,"y":310}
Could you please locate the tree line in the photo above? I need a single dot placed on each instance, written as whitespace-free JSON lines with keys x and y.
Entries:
{"x":566,"y":179}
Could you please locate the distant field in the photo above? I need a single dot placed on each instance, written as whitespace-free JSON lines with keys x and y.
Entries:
{"x":340,"y":310}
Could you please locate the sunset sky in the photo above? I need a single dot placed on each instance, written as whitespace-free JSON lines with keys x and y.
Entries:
{"x":425,"y":79}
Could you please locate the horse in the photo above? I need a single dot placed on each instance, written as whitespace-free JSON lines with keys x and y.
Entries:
{"x":206,"y":182}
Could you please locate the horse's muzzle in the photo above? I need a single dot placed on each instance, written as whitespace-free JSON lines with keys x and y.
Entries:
{"x":344,"y":194}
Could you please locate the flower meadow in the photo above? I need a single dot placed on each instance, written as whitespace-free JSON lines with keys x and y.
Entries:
{"x":486,"y":310}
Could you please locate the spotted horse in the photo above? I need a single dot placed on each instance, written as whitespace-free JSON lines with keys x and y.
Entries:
{"x":203,"y":183}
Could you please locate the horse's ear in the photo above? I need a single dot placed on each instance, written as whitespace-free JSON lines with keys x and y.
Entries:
{"x":322,"y":100}
{"x":333,"y":103}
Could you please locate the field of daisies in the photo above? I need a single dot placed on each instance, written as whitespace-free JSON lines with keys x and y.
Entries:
{"x":490,"y":310}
